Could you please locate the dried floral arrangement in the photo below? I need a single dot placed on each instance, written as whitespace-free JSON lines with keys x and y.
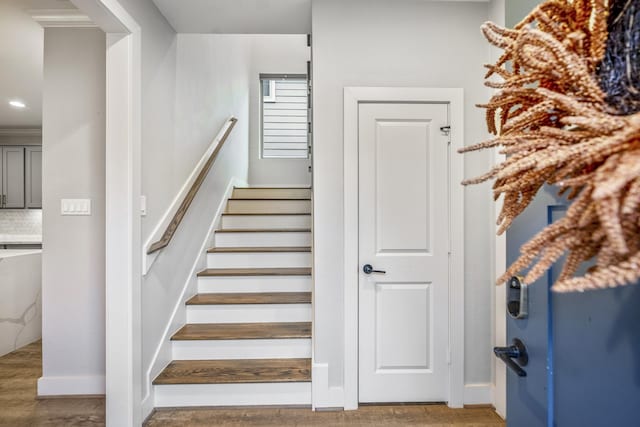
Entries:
{"x":565,"y":114}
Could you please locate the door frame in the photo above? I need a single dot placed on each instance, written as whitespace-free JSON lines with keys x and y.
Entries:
{"x":123,"y":265}
{"x":454,"y":97}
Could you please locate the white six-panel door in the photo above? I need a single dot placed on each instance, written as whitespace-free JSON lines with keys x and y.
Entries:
{"x":403,"y":230}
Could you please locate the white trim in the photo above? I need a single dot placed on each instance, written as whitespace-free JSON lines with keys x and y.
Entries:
{"x":148,"y":259}
{"x":61,"y":18}
{"x":499,"y":320}
{"x":323,"y":395}
{"x":497,"y":14}
{"x":179,"y":307}
{"x":123,"y":361}
{"x":454,"y":97}
{"x":478,"y":394}
{"x":70,"y":386}
{"x":20,"y":131}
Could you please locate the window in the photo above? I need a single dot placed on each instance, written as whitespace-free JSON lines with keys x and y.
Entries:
{"x":285,"y":106}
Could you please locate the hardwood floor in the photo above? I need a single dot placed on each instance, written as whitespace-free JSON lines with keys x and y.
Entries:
{"x":19,"y":407}
{"x":19,"y":372}
{"x":383,"y":415}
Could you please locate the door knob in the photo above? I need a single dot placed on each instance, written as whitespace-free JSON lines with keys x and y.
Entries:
{"x":368,"y":269}
{"x":516,"y":351}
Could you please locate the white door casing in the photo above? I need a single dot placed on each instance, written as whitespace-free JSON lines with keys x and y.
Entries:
{"x":403,"y":230}
{"x":353,"y":98}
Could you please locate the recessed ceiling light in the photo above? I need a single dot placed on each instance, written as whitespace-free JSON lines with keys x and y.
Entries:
{"x":17,"y":104}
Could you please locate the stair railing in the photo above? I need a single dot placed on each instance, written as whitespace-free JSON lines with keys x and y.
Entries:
{"x":186,"y":202}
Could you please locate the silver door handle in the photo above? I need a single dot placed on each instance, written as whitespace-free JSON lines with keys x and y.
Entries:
{"x":368,"y":269}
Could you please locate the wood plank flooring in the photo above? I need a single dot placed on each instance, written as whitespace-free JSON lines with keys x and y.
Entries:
{"x":19,"y":373}
{"x":370,"y":416}
{"x":19,"y":407}
{"x":236,"y":371}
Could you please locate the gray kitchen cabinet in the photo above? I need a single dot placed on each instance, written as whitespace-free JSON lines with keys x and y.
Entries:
{"x":13,"y":181}
{"x":33,"y":177}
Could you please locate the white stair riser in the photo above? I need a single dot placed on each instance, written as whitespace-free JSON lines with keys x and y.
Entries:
{"x":253,"y":284}
{"x":232,"y":394}
{"x":268,"y":206}
{"x":271,"y":193}
{"x":263,"y":239}
{"x":241,"y":349}
{"x":265,"y":221}
{"x":242,"y":313}
{"x":259,"y":260}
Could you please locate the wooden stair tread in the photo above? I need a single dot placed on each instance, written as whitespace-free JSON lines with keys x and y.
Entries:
{"x":271,"y":188}
{"x":265,"y":214}
{"x":214,"y":272}
{"x":235,"y":371}
{"x":271,"y":199}
{"x":251,"y":298}
{"x":250,"y":249}
{"x":264,"y":230}
{"x":242,"y":331}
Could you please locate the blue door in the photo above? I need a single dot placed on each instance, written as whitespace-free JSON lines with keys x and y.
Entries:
{"x":527,"y":396}
{"x":595,"y":348}
{"x":583,"y":348}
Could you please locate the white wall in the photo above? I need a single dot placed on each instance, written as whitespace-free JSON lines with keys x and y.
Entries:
{"x":212,"y":84}
{"x":275,"y":54}
{"x":162,"y":175}
{"x":391,"y":43}
{"x":73,"y":258}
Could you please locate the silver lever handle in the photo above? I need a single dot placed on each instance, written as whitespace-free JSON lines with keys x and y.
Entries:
{"x":368,"y":269}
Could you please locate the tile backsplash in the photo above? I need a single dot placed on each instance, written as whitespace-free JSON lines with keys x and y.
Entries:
{"x":21,"y":221}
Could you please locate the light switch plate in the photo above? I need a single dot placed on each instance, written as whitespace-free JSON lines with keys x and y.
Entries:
{"x":75,"y":206}
{"x":143,"y":205}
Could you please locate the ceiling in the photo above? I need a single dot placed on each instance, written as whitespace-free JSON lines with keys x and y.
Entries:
{"x":21,"y":44}
{"x":238,"y":16}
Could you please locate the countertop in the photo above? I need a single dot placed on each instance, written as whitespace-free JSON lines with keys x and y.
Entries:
{"x":8,"y":253}
{"x":20,"y":239}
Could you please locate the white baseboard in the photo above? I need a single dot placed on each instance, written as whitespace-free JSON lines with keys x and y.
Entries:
{"x":70,"y":386}
{"x":155,"y":367}
{"x":322,"y":395}
{"x":478,"y":394}
{"x":148,"y":405}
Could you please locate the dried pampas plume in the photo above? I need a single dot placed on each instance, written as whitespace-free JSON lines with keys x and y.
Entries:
{"x":552,"y":121}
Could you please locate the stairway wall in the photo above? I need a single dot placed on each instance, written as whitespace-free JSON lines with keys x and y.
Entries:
{"x":275,"y":54}
{"x":212,"y":84}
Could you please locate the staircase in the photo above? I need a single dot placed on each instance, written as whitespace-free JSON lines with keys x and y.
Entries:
{"x":247,"y":340}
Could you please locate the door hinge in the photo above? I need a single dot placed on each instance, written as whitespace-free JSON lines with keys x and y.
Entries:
{"x":445,"y":130}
